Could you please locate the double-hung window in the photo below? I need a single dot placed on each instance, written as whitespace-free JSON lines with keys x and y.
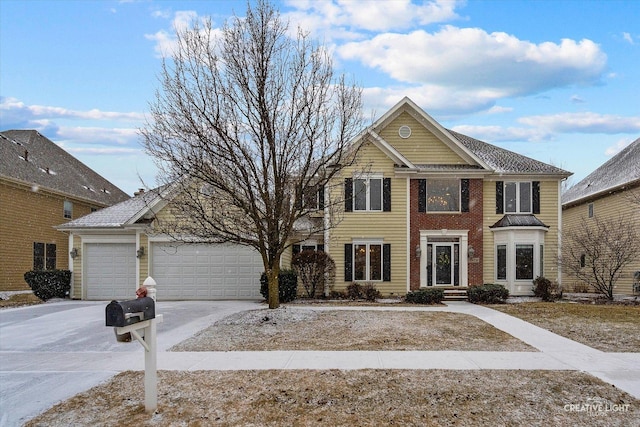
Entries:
{"x":517,"y":197}
{"x":67,"y":210}
{"x":367,"y":260}
{"x":367,"y":194}
{"x":443,"y":195}
{"x":44,"y":256}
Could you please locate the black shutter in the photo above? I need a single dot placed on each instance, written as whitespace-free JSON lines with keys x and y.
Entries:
{"x":535,"y":190}
{"x":296,"y":250}
{"x":386,"y":195}
{"x":348,"y":195}
{"x":320,"y":248}
{"x":464,"y":190}
{"x":422,"y":195}
{"x":348,"y":262}
{"x":499,"y":197}
{"x":321,"y":198}
{"x":386,"y":262}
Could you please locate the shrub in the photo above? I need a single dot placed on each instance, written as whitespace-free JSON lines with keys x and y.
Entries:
{"x":425,"y":296}
{"x":47,"y":284}
{"x":366,"y":291}
{"x":488,"y":294}
{"x":546,"y":289}
{"x":581,"y":288}
{"x":287,"y":285}
{"x":313,"y":269}
{"x":333,"y":294}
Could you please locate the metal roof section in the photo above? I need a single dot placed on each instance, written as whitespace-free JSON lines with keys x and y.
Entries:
{"x":519,"y":220}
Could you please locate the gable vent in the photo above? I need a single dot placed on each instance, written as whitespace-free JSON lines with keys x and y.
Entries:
{"x":404,"y":131}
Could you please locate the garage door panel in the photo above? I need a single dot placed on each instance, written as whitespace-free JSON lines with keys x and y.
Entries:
{"x":206,"y":271}
{"x":110,"y":271}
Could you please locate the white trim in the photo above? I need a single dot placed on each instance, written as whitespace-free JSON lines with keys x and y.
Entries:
{"x":389,"y":150}
{"x":463,"y":240}
{"x":408,"y":223}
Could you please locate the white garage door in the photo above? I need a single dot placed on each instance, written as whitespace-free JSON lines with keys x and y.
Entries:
{"x":209,"y":272}
{"x":110,"y":271}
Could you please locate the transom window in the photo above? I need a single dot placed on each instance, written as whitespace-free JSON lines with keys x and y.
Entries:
{"x":367,"y":194}
{"x":517,"y":197}
{"x":443,"y":195}
{"x":367,"y":261}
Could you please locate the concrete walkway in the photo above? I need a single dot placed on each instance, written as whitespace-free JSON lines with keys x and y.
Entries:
{"x":555,"y":353}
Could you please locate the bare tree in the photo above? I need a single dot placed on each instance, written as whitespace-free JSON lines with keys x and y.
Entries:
{"x":597,"y":251}
{"x":247,"y":120}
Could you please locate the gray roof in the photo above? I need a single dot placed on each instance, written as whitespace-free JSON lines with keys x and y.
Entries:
{"x":505,"y":161}
{"x":29,"y":157}
{"x":519,"y":220}
{"x":622,"y":169}
{"x":117,"y":215}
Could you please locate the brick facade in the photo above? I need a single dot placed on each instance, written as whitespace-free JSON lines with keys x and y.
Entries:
{"x":471,"y":221}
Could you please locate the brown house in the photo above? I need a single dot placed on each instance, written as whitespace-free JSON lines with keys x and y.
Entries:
{"x":42,"y":186}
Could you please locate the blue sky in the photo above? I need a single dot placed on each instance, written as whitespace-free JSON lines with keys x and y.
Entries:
{"x":555,"y":80}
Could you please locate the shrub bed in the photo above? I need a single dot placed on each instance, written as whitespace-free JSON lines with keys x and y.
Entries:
{"x":287,"y":285}
{"x":488,"y":294}
{"x":425,"y":296}
{"x":47,"y":284}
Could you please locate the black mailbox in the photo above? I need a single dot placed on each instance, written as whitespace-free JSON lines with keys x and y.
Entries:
{"x":125,"y":313}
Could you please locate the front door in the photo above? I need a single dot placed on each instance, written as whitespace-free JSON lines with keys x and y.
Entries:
{"x":443,"y":266}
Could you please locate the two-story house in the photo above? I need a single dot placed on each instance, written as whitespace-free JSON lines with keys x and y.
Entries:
{"x":41,"y":186}
{"x":426,"y":206}
{"x":610,"y":192}
{"x":421,"y":206}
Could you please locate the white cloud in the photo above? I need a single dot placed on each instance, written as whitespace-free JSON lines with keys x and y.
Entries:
{"x":627,"y":37}
{"x":165,"y":40}
{"x":618,"y":146}
{"x":499,"y":133}
{"x":347,"y":18}
{"x":494,"y":63}
{"x":12,"y":109}
{"x":584,"y":122}
{"x":98,"y":136}
{"x":576,"y":99}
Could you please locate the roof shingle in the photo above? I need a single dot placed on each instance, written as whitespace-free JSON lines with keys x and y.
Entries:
{"x":29,"y":157}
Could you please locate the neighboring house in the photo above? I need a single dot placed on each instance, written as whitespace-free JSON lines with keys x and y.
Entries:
{"x":41,"y":185}
{"x":434,"y":208}
{"x":608,"y":192}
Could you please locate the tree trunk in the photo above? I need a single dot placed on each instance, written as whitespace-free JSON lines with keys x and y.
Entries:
{"x":274,"y":288}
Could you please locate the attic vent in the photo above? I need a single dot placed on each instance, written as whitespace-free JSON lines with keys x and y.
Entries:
{"x":404,"y":131}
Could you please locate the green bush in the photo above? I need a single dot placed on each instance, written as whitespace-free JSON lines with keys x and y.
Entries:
{"x":546,"y":289}
{"x":488,"y":294}
{"x":425,"y":296}
{"x":47,"y":284}
{"x":287,"y":285}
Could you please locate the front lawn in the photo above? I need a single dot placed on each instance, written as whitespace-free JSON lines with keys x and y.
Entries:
{"x":334,"y":330}
{"x":352,"y":398}
{"x":610,"y":328}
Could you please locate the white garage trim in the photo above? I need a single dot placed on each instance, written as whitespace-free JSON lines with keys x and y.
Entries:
{"x":205,"y":272}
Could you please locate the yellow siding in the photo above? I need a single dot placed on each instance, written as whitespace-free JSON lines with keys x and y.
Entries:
{"x":76,"y":286}
{"x":28,"y":216}
{"x":422,"y":147}
{"x":610,"y":206}
{"x":388,"y":226}
{"x":144,"y":260}
{"x":548,"y":215}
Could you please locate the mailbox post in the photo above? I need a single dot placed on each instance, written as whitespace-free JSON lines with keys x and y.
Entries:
{"x":137,"y":315}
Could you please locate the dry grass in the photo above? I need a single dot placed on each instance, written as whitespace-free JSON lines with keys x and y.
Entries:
{"x":304,"y":329}
{"x":19,"y":300}
{"x":349,"y":398}
{"x":610,"y":328}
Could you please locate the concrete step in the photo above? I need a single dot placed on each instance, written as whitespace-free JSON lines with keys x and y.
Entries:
{"x":455,"y":294}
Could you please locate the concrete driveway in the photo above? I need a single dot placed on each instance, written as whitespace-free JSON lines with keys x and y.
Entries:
{"x":52,"y":351}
